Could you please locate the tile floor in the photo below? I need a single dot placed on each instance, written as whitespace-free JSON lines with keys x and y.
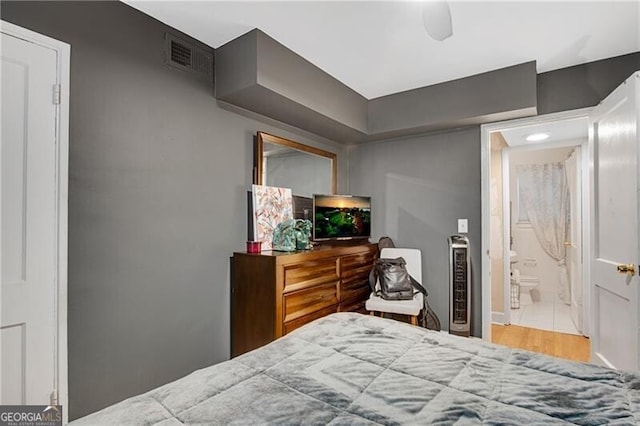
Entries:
{"x":550,"y":313}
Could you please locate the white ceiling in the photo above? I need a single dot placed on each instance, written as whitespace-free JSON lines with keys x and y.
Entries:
{"x":378,"y":48}
{"x":558,"y":131}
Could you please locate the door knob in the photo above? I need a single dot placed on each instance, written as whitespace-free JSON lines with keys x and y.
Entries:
{"x":629,"y":269}
{"x":568,"y":244}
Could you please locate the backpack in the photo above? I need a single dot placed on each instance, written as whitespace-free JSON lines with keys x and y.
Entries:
{"x":395,"y":281}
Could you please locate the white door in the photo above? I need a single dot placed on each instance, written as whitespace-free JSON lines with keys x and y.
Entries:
{"x":29,"y":222}
{"x":616,"y":251}
{"x":574,"y":238}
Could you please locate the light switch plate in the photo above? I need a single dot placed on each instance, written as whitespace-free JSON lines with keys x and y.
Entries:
{"x":463,"y":226}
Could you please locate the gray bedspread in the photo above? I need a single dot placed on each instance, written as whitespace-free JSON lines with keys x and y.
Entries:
{"x":348,"y":368}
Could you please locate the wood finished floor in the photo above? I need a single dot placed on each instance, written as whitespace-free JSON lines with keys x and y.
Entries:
{"x":561,"y":345}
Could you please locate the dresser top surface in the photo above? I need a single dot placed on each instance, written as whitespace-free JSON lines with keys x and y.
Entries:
{"x":322,"y":249}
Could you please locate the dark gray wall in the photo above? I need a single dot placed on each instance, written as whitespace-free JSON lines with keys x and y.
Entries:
{"x":158,"y":175}
{"x":420,"y":186}
{"x":509,"y":91}
{"x":288,"y":73}
{"x":583,"y":85}
{"x":256,"y":72}
{"x":236,"y":65}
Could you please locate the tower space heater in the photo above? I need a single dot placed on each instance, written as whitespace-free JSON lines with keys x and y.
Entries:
{"x":459,"y":286}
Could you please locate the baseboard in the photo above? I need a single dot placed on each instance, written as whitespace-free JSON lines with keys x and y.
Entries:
{"x":497,"y":317}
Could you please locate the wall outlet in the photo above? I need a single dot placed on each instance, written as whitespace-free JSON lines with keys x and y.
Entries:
{"x":463,"y":226}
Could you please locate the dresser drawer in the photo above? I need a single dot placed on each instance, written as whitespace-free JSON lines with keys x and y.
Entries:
{"x":303,"y":302}
{"x":312,"y":273}
{"x":356,"y":265}
{"x":354,"y":290}
{"x":357,"y":305}
{"x":355,"y":271}
{"x":297,"y":323}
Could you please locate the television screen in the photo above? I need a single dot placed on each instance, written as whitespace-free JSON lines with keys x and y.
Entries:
{"x":341,"y":217}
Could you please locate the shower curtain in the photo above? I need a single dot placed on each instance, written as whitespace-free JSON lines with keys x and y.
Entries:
{"x":545,"y":196}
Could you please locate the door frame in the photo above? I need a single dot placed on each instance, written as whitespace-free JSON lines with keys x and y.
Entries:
{"x":63,"y":59}
{"x":485,"y":186}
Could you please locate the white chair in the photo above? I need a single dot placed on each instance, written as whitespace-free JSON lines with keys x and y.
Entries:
{"x":412,"y":308}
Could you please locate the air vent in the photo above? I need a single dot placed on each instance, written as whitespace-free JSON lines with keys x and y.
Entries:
{"x":186,"y":56}
{"x":180,"y":54}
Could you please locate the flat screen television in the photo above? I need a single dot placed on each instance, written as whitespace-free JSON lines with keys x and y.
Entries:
{"x":341,"y":217}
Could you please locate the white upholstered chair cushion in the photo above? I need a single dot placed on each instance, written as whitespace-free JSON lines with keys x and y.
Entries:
{"x":405,"y":307}
{"x":413,"y":257}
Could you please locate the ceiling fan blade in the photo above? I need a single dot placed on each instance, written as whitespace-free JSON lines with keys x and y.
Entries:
{"x":436,"y":16}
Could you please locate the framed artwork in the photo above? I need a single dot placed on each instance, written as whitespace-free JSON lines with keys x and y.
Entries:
{"x":271,"y":205}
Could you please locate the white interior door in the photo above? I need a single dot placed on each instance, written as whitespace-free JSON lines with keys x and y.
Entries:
{"x":29,"y":222}
{"x":574,"y":238}
{"x":615,"y":236}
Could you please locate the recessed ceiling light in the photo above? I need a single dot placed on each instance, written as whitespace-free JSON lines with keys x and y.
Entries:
{"x":537,"y":137}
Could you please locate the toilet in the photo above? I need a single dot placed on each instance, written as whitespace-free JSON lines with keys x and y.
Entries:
{"x":527,"y":282}
{"x":529,"y":289}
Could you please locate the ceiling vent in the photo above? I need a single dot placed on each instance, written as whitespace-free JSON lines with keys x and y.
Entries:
{"x":186,"y":56}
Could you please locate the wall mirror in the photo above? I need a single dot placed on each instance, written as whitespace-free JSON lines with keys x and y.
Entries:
{"x":288,"y":164}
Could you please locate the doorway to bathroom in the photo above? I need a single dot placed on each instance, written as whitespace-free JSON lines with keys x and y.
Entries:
{"x":537,"y":234}
{"x":542,"y":197}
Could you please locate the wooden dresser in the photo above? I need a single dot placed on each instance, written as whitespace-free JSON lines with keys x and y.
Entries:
{"x":273,"y":293}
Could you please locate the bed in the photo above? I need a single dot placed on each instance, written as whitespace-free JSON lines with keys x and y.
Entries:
{"x":348,"y":368}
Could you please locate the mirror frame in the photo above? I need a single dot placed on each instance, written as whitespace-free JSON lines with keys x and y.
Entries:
{"x":263,"y":137}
